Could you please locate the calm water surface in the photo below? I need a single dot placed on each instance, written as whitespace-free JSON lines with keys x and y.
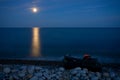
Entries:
{"x":103,"y":43}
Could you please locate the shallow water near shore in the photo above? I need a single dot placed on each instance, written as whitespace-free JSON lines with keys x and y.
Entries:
{"x":103,"y":43}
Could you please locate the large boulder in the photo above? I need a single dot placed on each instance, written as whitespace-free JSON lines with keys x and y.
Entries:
{"x":91,"y":64}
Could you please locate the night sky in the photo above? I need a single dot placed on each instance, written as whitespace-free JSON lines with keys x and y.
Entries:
{"x":60,"y":13}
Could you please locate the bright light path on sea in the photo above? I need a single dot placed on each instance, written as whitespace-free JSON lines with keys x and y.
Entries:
{"x":35,"y":42}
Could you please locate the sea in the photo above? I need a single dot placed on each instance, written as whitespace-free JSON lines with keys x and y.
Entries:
{"x":36,"y":42}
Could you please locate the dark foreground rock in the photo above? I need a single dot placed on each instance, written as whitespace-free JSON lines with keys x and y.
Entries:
{"x":87,"y":62}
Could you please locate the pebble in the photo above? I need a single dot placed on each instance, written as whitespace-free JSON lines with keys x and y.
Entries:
{"x":15,"y":77}
{"x":38,"y":68}
{"x":112,"y":74}
{"x":77,"y":68}
{"x":78,"y":75}
{"x":98,"y":74}
{"x":14,"y":70}
{"x":6,"y":70}
{"x":75,"y":71}
{"x":21,"y":74}
{"x":38,"y":74}
{"x":46,"y":75}
{"x":23,"y":67}
{"x":31,"y":69}
{"x":34,"y":78}
{"x":1,"y":68}
{"x":117,"y":78}
{"x":1,"y":75}
{"x":94,"y":78}
{"x":85,"y":70}
{"x":105,"y":74}
{"x":61,"y":69}
{"x":31,"y":72}
{"x":28,"y":76}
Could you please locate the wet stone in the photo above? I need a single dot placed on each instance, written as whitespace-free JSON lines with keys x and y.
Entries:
{"x":34,"y":78}
{"x":31,"y":72}
{"x":6,"y":70}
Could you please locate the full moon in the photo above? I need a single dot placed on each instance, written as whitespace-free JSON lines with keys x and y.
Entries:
{"x":34,"y":10}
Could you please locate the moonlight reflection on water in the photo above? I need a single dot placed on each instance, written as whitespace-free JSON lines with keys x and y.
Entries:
{"x":35,"y":42}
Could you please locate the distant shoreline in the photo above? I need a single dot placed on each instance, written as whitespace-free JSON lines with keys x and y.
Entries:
{"x":32,"y":62}
{"x":45,"y":62}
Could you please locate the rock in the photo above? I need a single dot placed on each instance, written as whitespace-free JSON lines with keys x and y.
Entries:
{"x":6,"y":70}
{"x":74,"y":72}
{"x":1,"y":67}
{"x":38,"y":74}
{"x":43,"y":70}
{"x":1,"y":75}
{"x":38,"y":68}
{"x":21,"y":74}
{"x":43,"y":78}
{"x":46,"y":75}
{"x":52,"y":71}
{"x":23,"y":67}
{"x":7,"y":77}
{"x":17,"y":66}
{"x":77,"y":68}
{"x":15,"y":77}
{"x":108,"y":78}
{"x":14,"y":70}
{"x":116,"y":78}
{"x":34,"y":78}
{"x":28,"y":76}
{"x":112,"y":74}
{"x":106,"y":74}
{"x":75,"y":78}
{"x":85,"y":70}
{"x":57,"y":77}
{"x":46,"y":71}
{"x":59,"y":73}
{"x":53,"y":75}
{"x":61,"y":69}
{"x":104,"y":69}
{"x":78,"y":75}
{"x":82,"y":78}
{"x":31,"y":69}
{"x":98,"y":74}
{"x":91,"y":74}
{"x":94,"y":78}
{"x":11,"y":77}
{"x":86,"y":78}
{"x":84,"y":75}
{"x":40,"y":79}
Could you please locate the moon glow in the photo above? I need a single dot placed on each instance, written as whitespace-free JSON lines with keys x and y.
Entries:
{"x":34,"y":10}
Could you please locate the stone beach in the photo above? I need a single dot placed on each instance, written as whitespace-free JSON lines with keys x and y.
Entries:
{"x":40,"y":72}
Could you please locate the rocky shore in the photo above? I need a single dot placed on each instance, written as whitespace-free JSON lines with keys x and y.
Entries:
{"x":40,"y":72}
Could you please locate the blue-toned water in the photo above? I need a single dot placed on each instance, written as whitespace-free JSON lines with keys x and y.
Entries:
{"x":103,"y":43}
